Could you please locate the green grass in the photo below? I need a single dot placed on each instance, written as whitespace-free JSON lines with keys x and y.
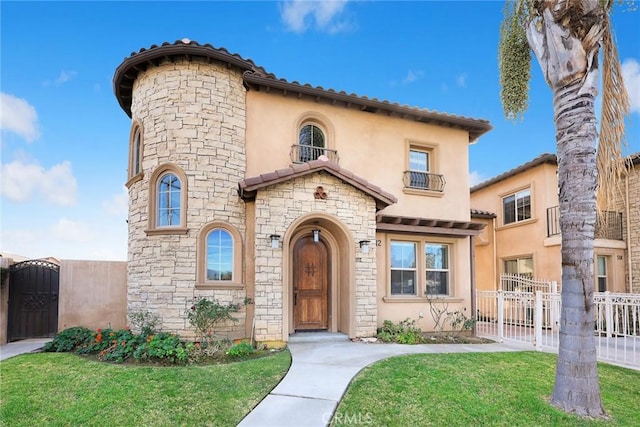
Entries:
{"x":477,"y":389}
{"x":63,"y":389}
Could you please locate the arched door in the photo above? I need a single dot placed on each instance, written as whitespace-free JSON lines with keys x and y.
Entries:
{"x":310,"y":284}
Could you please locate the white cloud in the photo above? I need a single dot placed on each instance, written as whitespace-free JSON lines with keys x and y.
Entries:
{"x":62,"y":78}
{"x":118,"y":204}
{"x":71,"y":231}
{"x":298,"y":15}
{"x":631,"y":77}
{"x":21,"y":181}
{"x":476,"y":178}
{"x":461,"y":80}
{"x":412,"y":76}
{"x":19,"y":117}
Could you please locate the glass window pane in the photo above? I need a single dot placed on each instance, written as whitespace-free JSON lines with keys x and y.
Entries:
{"x":525,"y":267}
{"x":602,"y":266}
{"x":437,"y":282}
{"x":436,"y":256}
{"x":403,"y":282}
{"x":509,"y":213}
{"x":403,"y":255}
{"x":418,"y":161}
{"x":219,"y":255}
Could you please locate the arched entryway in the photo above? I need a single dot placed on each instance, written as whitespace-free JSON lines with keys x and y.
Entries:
{"x":319,"y":270}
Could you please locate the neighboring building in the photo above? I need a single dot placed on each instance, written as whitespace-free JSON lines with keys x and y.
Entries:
{"x":629,"y":203}
{"x":329,"y":210}
{"x":523,"y":236}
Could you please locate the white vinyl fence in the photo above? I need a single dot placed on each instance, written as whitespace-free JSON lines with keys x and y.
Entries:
{"x":535,"y":318}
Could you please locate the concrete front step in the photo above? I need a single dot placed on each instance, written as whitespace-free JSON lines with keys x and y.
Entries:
{"x":321,"y":336}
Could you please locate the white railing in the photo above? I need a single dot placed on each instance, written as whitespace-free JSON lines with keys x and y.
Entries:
{"x":534,"y":318}
{"x":518,"y":283}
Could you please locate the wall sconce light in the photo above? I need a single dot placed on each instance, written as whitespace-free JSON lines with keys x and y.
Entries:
{"x":364,"y":246}
{"x":275,"y":241}
{"x":316,"y":236}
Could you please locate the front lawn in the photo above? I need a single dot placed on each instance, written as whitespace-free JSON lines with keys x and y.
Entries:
{"x":477,"y":389}
{"x":65,"y":389}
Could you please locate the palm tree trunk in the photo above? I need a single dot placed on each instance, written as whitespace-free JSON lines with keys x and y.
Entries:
{"x":577,"y":388}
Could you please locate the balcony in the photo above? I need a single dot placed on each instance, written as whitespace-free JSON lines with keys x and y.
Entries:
{"x":608,"y":224}
{"x":424,"y":181}
{"x":306,"y":153}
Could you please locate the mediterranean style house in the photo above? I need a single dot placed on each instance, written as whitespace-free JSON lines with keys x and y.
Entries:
{"x":330,"y":211}
{"x":523,"y":236}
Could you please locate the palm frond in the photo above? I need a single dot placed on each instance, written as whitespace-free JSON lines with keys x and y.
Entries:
{"x":615,"y":108}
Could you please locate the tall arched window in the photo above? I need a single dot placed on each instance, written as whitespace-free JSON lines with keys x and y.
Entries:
{"x":219,"y":255}
{"x":312,"y":142}
{"x":169,"y":200}
{"x":136,"y":148}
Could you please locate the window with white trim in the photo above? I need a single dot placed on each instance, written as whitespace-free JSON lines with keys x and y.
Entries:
{"x":516,"y":207}
{"x":219,"y":255}
{"x":437,"y":268}
{"x":602,"y":273}
{"x":169,"y":200}
{"x":403,"y":268}
{"x":519,"y":266}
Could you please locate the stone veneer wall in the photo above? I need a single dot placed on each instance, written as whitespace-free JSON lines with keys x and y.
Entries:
{"x":277,"y":207}
{"x":632,"y":235}
{"x":193,"y":115}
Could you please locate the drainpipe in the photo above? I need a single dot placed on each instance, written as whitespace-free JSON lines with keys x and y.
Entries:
{"x":495,"y":255}
{"x":472,"y":256}
{"x":627,"y":208}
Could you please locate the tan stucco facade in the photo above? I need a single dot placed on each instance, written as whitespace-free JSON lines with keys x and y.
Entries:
{"x":536,"y":238}
{"x":216,"y":125}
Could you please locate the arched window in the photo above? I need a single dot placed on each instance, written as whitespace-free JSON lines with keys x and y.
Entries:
{"x":219,"y":255}
{"x":169,"y":201}
{"x":136,"y":147}
{"x":312,"y":142}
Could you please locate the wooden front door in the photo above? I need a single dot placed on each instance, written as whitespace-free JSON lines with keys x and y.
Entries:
{"x":310,"y":284}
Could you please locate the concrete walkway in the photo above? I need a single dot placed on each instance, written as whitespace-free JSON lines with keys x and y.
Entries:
{"x":20,"y":347}
{"x":322,"y":370}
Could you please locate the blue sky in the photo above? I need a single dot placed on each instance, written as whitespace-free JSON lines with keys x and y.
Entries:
{"x":64,"y":137}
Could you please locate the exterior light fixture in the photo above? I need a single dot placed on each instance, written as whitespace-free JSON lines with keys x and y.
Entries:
{"x":275,"y":241}
{"x":316,"y":236}
{"x":364,"y":246}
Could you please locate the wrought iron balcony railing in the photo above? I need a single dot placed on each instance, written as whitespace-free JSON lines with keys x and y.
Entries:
{"x":608,"y":224}
{"x":424,"y":181}
{"x":306,"y":153}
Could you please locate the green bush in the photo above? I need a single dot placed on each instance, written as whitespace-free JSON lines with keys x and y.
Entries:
{"x":405,"y":332}
{"x":240,"y":351}
{"x":162,"y":347}
{"x":69,"y":339}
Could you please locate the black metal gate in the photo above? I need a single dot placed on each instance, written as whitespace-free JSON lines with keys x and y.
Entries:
{"x":33,"y":300}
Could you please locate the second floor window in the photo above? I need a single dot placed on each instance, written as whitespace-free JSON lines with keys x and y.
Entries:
{"x":312,"y":143}
{"x":169,"y":200}
{"x":516,"y":207}
{"x":418,"y":169}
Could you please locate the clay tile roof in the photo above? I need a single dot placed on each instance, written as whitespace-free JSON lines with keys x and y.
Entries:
{"x":248,"y":187}
{"x":476,"y":213}
{"x":256,"y":77}
{"x":541,"y":159}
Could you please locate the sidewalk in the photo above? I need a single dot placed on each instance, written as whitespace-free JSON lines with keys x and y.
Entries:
{"x":321,"y":372}
{"x":20,"y":347}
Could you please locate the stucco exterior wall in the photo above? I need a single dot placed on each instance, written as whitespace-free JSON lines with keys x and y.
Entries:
{"x":193,"y":116}
{"x":528,"y":239}
{"x":371,"y":146}
{"x":277,"y":208}
{"x":92,"y":294}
